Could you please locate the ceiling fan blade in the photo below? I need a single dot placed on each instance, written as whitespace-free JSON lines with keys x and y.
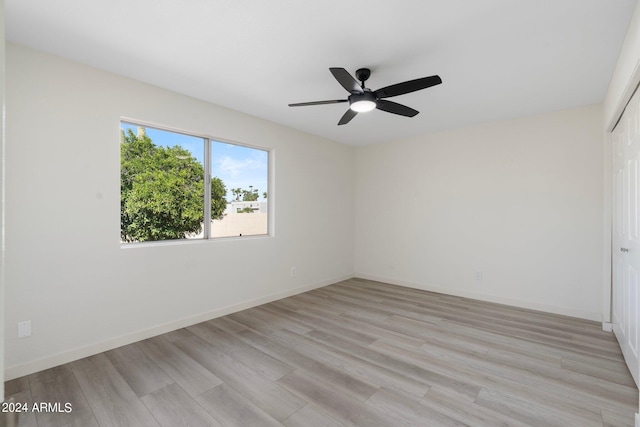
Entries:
{"x":346,"y":80}
{"x":395,"y":108}
{"x":303,"y":104}
{"x":346,"y":118}
{"x":408,"y":87}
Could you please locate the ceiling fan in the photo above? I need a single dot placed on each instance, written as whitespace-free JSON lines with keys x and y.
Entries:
{"x":363,"y":99}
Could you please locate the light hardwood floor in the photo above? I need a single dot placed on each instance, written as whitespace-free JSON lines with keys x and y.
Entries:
{"x":355,"y":353}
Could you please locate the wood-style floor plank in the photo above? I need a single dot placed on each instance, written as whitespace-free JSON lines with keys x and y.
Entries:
{"x":530,"y":412}
{"x":356,"y":353}
{"x":230,"y":408}
{"x":141,"y":373}
{"x":382,"y":376}
{"x":407,"y":413}
{"x":110,"y":397}
{"x":267,"y":394}
{"x":310,"y":416}
{"x":345,"y":409}
{"x":353,"y":385}
{"x":399,"y":365}
{"x":267,"y":365}
{"x":59,"y":385}
{"x":20,"y":391}
{"x":189,"y":374}
{"x":602,"y":372}
{"x":173,"y":407}
{"x":469,"y":413}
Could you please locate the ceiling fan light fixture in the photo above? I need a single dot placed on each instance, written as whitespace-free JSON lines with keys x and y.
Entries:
{"x":362,"y":102}
{"x":363,"y":106}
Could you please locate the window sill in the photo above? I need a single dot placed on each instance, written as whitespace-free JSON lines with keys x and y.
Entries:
{"x":181,"y":242}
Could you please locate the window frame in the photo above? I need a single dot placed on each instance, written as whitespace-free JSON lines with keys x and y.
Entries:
{"x":207,"y":142}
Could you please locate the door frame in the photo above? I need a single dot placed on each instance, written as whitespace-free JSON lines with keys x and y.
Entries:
{"x":2,"y":204}
{"x":629,"y":91}
{"x":630,"y":88}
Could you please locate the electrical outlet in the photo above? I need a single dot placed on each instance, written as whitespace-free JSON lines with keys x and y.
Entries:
{"x":24,"y":329}
{"x":478,"y":275}
{"x":293,"y":272}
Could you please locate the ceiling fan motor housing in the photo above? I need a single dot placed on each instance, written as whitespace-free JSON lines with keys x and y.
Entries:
{"x":362,"y":74}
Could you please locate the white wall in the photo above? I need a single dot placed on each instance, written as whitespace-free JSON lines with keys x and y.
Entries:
{"x":66,"y":270}
{"x":521,"y":200}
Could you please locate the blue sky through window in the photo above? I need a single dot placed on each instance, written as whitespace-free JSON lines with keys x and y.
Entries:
{"x":237,"y":166}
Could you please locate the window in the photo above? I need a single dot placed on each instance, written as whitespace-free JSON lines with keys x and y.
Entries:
{"x":165,"y":195}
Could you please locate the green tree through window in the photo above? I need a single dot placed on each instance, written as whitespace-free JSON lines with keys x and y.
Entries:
{"x":250,"y":195}
{"x":162,"y":191}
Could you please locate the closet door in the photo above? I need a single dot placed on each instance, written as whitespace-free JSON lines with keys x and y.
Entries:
{"x":625,"y":141}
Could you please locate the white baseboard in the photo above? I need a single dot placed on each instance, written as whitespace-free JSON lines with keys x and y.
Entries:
{"x":33,"y":366}
{"x":607,"y":326}
{"x":488,"y":298}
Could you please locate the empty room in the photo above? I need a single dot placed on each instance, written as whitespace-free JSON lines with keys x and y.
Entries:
{"x":413,"y":213}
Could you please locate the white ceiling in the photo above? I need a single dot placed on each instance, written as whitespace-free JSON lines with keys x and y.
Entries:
{"x":497,"y":58}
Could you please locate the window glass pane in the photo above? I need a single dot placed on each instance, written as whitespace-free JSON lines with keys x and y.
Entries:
{"x":244,"y":172}
{"x":161,"y":185}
